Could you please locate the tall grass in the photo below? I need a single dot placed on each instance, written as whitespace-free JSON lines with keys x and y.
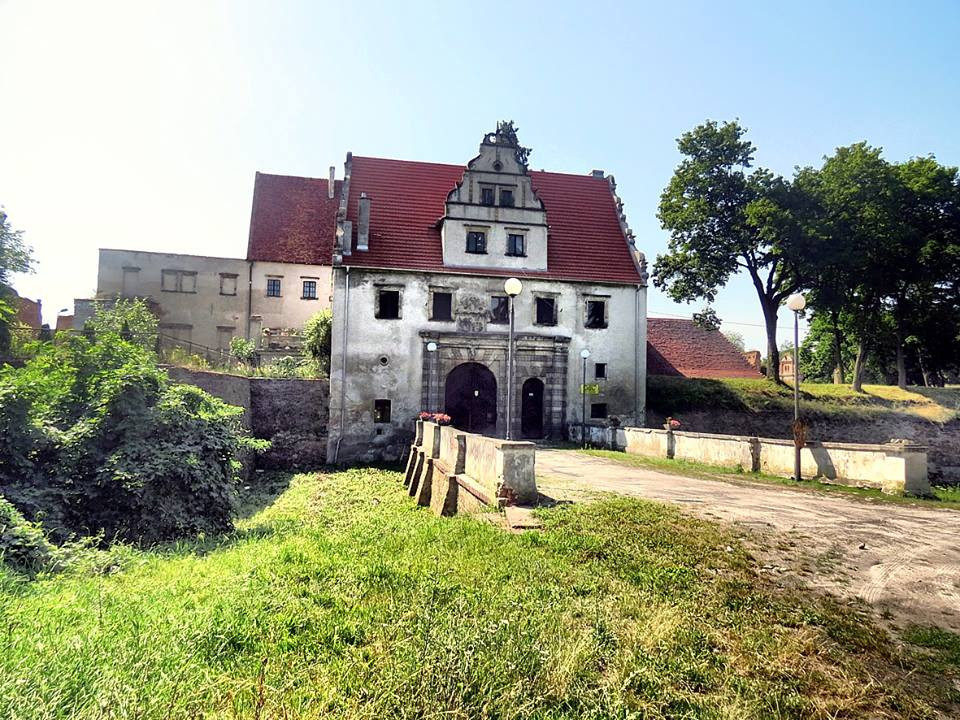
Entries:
{"x":342,"y":599}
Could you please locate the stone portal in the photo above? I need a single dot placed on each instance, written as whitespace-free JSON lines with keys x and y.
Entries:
{"x":470,"y":398}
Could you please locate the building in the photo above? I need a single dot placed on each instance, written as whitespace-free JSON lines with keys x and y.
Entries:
{"x":681,"y":348}
{"x":412,"y":257}
{"x":422,"y":254}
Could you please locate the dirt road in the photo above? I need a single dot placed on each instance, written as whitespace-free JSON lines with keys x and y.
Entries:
{"x":904,"y":560}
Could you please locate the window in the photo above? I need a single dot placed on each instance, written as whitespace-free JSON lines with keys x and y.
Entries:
{"x":486,"y":196}
{"x":516,"y":245}
{"x":273,"y":287}
{"x":598,"y":411}
{"x":546,"y":311}
{"x":506,"y":197}
{"x":381,"y":411}
{"x":131,"y":280}
{"x":228,"y":284}
{"x":476,"y":242}
{"x":184,"y":281}
{"x":499,"y":310}
{"x":388,"y":304}
{"x":225,"y":333}
{"x":600,"y":371}
{"x":596,"y":314}
{"x":309,"y":289}
{"x":442,"y":306}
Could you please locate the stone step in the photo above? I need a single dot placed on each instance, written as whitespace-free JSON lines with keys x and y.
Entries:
{"x":521,"y":518}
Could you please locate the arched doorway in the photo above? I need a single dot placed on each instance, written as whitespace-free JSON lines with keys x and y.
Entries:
{"x":470,"y":398}
{"x":531,"y":408}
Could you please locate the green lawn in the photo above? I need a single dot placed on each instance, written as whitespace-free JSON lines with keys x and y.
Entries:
{"x":342,"y":599}
{"x":670,"y":395}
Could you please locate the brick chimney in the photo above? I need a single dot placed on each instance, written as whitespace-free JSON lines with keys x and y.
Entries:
{"x":363,"y":223}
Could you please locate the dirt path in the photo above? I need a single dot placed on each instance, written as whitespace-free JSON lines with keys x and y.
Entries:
{"x":904,"y":560}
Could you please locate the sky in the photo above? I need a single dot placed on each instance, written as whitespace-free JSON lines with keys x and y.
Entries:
{"x":141,"y":125}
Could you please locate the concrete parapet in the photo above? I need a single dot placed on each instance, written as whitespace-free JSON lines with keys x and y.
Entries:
{"x":896,"y":467}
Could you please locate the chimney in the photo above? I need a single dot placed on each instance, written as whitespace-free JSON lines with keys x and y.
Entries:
{"x":598,"y":174}
{"x":363,"y":223}
{"x":330,"y":183}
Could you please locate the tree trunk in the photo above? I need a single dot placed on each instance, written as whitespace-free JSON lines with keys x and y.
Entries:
{"x":773,"y":353}
{"x":840,"y":376}
{"x":858,"y":366}
{"x":901,"y":361}
{"x":923,"y":369}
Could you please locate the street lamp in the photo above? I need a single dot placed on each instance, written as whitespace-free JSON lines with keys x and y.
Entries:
{"x":512,"y":287}
{"x":584,"y":354}
{"x":797,"y":303}
{"x":432,"y":349}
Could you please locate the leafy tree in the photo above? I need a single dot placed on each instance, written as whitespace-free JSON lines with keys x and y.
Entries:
{"x":736,"y":338}
{"x":723,"y":219}
{"x":15,"y":257}
{"x":133,"y":320}
{"x":318,"y":336}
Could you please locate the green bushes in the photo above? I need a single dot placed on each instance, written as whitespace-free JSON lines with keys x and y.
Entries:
{"x":23,"y":546}
{"x":317,"y":338}
{"x":98,"y":441}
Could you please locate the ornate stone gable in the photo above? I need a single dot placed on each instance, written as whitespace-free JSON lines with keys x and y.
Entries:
{"x":493,"y":217}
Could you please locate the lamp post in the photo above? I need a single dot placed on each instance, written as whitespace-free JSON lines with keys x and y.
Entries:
{"x":796,"y":302}
{"x":584,"y":354}
{"x":432,"y":349}
{"x":512,"y":287}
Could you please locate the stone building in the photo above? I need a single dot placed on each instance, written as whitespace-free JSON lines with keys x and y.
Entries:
{"x":422,"y":318}
{"x":412,"y":257}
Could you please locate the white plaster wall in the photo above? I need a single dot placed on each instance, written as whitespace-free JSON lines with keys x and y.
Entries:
{"x":454,"y":238}
{"x":399,"y":379}
{"x":206,"y":309}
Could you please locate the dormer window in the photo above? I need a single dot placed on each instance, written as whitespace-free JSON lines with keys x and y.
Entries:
{"x":486,"y":196}
{"x":476,"y":242}
{"x":506,"y":197}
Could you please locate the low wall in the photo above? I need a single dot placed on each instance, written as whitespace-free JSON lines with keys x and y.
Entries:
{"x":894,"y":467}
{"x":455,"y":471}
{"x":291,"y":413}
{"x":942,"y":440}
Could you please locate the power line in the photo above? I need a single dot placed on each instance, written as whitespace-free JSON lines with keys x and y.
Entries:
{"x":725,"y":322}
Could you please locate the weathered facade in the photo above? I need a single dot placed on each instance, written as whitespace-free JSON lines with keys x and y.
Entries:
{"x":202,"y":302}
{"x":422,"y":317}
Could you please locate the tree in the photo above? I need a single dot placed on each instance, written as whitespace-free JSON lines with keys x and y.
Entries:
{"x":15,"y":257}
{"x":133,"y":320}
{"x":317,"y":334}
{"x":736,"y":339}
{"x":722,"y":220}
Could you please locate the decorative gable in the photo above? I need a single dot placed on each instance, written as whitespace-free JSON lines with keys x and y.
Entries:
{"x":493,"y":218}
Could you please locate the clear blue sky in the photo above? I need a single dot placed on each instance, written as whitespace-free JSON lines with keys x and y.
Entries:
{"x":141,"y":126}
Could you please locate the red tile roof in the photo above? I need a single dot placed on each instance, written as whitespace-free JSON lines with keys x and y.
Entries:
{"x":292,"y":220}
{"x":679,"y":347}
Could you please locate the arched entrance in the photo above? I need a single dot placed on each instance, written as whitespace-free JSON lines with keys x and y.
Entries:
{"x":531,"y":408}
{"x":470,"y":398}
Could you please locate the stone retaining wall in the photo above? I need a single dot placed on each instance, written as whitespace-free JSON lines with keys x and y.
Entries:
{"x":455,"y":471}
{"x":291,"y":413}
{"x":894,"y":467}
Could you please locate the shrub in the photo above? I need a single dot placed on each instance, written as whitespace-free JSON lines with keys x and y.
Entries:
{"x":132,"y":320}
{"x":23,"y":546}
{"x":283,"y":367}
{"x":243,"y":350}
{"x":317,"y":339}
{"x":104,"y":443}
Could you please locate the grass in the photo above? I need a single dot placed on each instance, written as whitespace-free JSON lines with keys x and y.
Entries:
{"x":943,"y":496}
{"x":669,"y":395}
{"x":342,"y":599}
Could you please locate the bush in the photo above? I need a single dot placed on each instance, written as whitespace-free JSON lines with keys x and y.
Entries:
{"x":102,"y":442}
{"x":132,"y":320}
{"x":243,"y":350}
{"x":23,"y":546}
{"x":317,"y":338}
{"x":283,"y":367}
